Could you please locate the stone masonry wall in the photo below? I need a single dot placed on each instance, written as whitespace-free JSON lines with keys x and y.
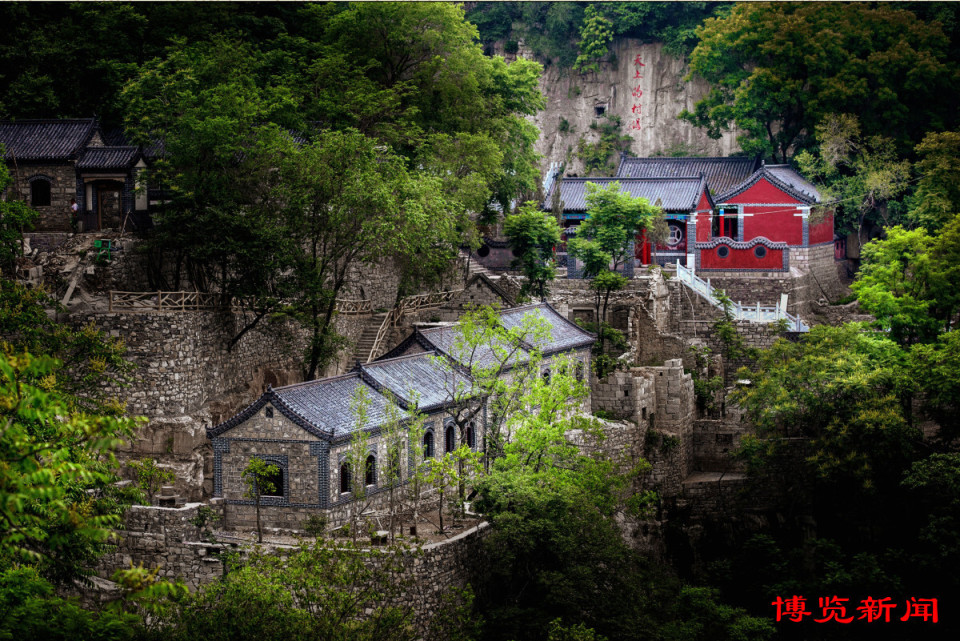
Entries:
{"x":165,"y":537}
{"x":63,"y":187}
{"x":659,"y":401}
{"x":182,"y":358}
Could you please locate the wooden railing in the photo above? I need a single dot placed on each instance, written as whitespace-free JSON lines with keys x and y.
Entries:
{"x":162,"y":301}
{"x":350,"y":306}
{"x":406,"y":305}
{"x":194,"y":301}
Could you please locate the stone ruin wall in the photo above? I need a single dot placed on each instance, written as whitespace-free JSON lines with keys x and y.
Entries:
{"x":165,"y":537}
{"x":186,"y":379}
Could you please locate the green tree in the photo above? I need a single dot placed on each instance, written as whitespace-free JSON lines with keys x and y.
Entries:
{"x":934,"y":203}
{"x":596,"y":34}
{"x":32,"y":610}
{"x":89,"y":363}
{"x":777,"y":69}
{"x":533,"y":235}
{"x":604,"y":243}
{"x":259,"y":477}
{"x":150,"y":477}
{"x":864,"y":175}
{"x":57,"y":499}
{"x":15,"y":218}
{"x":909,"y":292}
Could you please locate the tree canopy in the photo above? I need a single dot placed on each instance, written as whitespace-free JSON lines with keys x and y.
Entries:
{"x":777,"y":69}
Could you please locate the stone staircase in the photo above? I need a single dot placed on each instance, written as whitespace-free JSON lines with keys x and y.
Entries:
{"x":362,"y":350}
{"x":474,"y":267}
{"x":755,"y":313}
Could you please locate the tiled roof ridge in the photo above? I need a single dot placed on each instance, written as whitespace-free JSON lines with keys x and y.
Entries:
{"x":625,"y":156}
{"x":741,"y":244}
{"x":398,"y":358}
{"x":634,"y":178}
{"x":269,"y":396}
{"x":764,"y":172}
{"x":316,"y":381}
{"x":45,"y":121}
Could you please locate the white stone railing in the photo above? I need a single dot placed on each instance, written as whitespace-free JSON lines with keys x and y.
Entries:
{"x":754,"y":313}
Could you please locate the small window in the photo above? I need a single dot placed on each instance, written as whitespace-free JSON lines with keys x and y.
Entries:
{"x":723,"y":251}
{"x":269,"y":412}
{"x":579,"y":370}
{"x":344,"y":478}
{"x":471,"y":437}
{"x":273,"y":483}
{"x":600,"y":110}
{"x":484,"y":251}
{"x":370,"y":476}
{"x":40,"y":192}
{"x":546,"y":376}
{"x":428,"y":445}
{"x":759,"y":251}
{"x":449,"y":439}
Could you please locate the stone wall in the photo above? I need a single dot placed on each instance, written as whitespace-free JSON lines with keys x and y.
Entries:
{"x":165,"y":537}
{"x":46,"y":241}
{"x":659,"y":401}
{"x":182,"y":358}
{"x":187,"y":379}
{"x":63,"y":187}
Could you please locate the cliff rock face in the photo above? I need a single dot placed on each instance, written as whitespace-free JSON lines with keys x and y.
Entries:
{"x":647,"y":105}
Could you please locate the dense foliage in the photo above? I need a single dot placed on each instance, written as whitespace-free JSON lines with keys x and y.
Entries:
{"x":577,"y":34}
{"x":778,"y":69}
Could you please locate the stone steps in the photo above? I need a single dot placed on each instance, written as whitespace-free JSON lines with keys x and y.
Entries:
{"x":475,"y":267}
{"x":362,"y":349}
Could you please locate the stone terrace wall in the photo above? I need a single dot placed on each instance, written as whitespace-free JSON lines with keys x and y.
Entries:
{"x":182,"y":357}
{"x":165,"y":537}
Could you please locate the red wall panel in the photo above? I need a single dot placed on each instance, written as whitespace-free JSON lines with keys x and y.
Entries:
{"x":822,"y":232}
{"x":773,"y":223}
{"x":741,"y":258}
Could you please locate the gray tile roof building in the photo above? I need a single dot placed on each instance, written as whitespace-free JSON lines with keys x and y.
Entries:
{"x":423,"y":379}
{"x":675,"y":195}
{"x":45,"y":140}
{"x":101,"y":158}
{"x":722,"y":174}
{"x":325,"y":407}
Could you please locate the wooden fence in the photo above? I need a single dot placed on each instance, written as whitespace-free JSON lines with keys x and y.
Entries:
{"x":196,"y":301}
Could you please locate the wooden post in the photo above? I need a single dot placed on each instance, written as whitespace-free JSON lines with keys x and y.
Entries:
{"x":159,"y":301}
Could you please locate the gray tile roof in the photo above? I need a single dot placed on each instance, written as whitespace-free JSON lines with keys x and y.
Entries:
{"x":678,"y":195}
{"x":52,"y":140}
{"x":563,"y":333}
{"x":326,"y":403}
{"x":324,"y":407}
{"x":722,"y":174}
{"x":108,"y":158}
{"x":445,"y":340}
{"x":423,"y":375}
{"x":782,"y":176}
{"x":789,"y":175}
